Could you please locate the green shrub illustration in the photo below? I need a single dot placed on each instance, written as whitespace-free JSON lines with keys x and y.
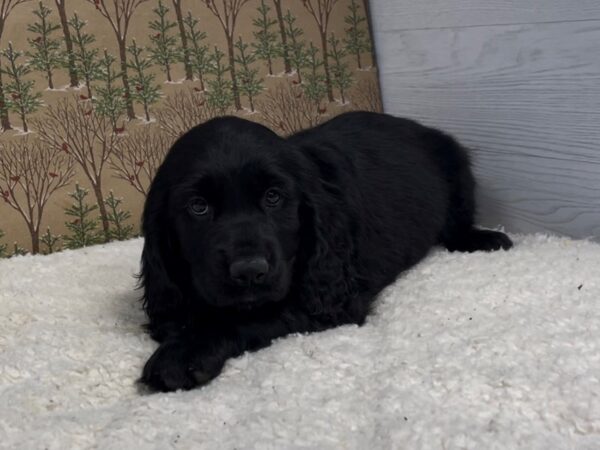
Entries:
{"x":250,"y":83}
{"x":117,"y":217}
{"x":21,"y":97}
{"x":83,"y":227}
{"x":46,"y":54}
{"x":267,"y":46}
{"x":85,"y":58}
{"x":144,"y":90}
{"x":164,"y":50}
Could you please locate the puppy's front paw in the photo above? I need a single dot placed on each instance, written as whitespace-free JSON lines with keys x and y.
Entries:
{"x":175,"y":365}
{"x":479,"y":240}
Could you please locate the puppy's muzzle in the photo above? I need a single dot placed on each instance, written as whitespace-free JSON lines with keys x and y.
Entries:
{"x":249,"y":271}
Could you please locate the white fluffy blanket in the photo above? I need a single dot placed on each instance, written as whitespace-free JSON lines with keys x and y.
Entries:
{"x":479,"y":351}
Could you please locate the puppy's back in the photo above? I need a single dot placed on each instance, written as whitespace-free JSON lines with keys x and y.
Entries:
{"x":396,"y":175}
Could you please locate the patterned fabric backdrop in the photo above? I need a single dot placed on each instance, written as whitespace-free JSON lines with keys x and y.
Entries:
{"x":93,"y":93}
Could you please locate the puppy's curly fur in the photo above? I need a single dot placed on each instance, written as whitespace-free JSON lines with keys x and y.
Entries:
{"x":250,"y":236}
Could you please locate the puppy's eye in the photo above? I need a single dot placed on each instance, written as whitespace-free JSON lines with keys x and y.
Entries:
{"x":272,"y":197}
{"x":198,"y":206}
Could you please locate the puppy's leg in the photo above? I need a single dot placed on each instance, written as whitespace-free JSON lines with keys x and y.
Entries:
{"x":459,"y":233}
{"x":196,"y":353}
{"x":178,"y":364}
{"x":195,"y":356}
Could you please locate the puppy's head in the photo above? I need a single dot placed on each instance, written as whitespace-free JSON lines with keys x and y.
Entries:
{"x":222,"y":218}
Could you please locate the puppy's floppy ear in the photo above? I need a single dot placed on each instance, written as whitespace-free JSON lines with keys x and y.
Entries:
{"x":160,"y":263}
{"x":329,"y":282}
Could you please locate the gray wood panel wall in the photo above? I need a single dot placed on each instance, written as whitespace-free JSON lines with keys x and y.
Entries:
{"x":518,"y":82}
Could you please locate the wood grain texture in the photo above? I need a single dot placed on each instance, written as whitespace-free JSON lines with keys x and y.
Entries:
{"x":525,"y":98}
{"x":426,"y":14}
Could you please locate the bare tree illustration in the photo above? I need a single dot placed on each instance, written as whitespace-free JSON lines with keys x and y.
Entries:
{"x":183,"y":110}
{"x":198,"y":53}
{"x":321,"y":11}
{"x":64,"y":23}
{"x":118,"y":13}
{"x":227,"y":14}
{"x":6,"y":7}
{"x":366,"y":96}
{"x":87,"y":64}
{"x":46,"y":55}
{"x":138,"y":156}
{"x":189,"y":75}
{"x":30,"y":173}
{"x":23,"y":100}
{"x":88,"y":137}
{"x":286,"y":60}
{"x":288,"y":109}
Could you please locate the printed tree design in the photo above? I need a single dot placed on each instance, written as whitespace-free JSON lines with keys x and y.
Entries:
{"x":286,"y":108}
{"x":22,"y":99}
{"x":85,"y":59}
{"x":314,"y":86}
{"x":50,"y":240}
{"x":117,"y":217}
{"x":4,"y":107}
{"x":83,"y":227}
{"x":6,"y":7}
{"x":88,"y":137}
{"x":296,"y":47}
{"x":64,"y":23}
{"x":341,"y":76}
{"x":18,"y":250}
{"x":46,"y":55}
{"x":250,"y":83}
{"x":356,"y":40}
{"x":266,"y":46}
{"x":2,"y":246}
{"x":321,"y":11}
{"x":183,"y":110}
{"x":138,"y":156}
{"x":220,"y":95}
{"x":228,"y":14}
{"x":199,"y":56}
{"x":144,"y":92}
{"x":110,"y":101}
{"x":30,"y":173}
{"x":185,"y":50}
{"x":371,"y":49}
{"x":284,"y":45}
{"x":164,"y":50}
{"x":366,"y":96}
{"x":118,"y":13}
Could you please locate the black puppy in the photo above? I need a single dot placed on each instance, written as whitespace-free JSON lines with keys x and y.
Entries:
{"x":250,"y":236}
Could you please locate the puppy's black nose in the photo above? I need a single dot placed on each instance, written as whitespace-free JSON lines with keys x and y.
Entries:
{"x":249,"y":271}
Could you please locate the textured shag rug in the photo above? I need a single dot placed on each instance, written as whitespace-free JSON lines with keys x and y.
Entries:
{"x":480,"y":351}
